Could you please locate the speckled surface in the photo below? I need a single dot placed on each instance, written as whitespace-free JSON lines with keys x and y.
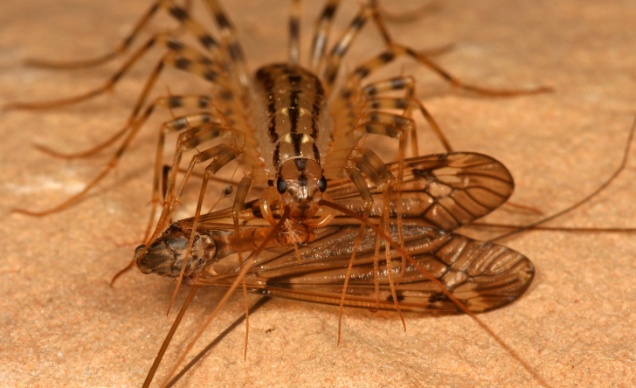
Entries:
{"x":64,"y":326}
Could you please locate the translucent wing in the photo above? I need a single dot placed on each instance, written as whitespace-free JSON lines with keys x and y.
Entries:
{"x":444,"y":191}
{"x":484,"y":276}
{"x":437,"y":193}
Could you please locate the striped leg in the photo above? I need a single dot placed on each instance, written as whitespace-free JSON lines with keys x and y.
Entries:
{"x":351,"y":105}
{"x":334,"y":59}
{"x":180,"y":14}
{"x":181,"y":59}
{"x":230,"y":41}
{"x":321,"y":34}
{"x":294,"y":32}
{"x":188,"y":139}
{"x":171,"y":102}
{"x":425,"y":60}
{"x":178,"y":55}
{"x":335,"y":56}
{"x":374,"y":109}
{"x":197,"y":129}
{"x":375,"y":101}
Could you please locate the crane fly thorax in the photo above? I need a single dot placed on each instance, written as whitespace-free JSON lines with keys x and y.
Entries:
{"x":166,"y":256}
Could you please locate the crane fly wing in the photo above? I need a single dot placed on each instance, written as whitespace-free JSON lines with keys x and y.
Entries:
{"x":444,"y":190}
{"x":438,"y":194}
{"x":483,"y":275}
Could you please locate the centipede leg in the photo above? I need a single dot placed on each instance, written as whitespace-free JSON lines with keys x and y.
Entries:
{"x":321,"y":35}
{"x":195,"y":129}
{"x":235,"y":56}
{"x":187,"y":140}
{"x":425,"y":60}
{"x":375,"y":100}
{"x":334,"y":58}
{"x":180,"y":14}
{"x":172,"y":58}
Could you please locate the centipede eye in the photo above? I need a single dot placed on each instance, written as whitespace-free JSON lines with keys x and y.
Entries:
{"x":281,"y":185}
{"x":322,"y":184}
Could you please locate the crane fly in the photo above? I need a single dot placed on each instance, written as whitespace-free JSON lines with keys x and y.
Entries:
{"x":482,"y":275}
{"x":376,"y":260}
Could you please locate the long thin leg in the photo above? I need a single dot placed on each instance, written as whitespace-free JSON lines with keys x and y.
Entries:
{"x":239,"y":200}
{"x":334,"y":59}
{"x":170,"y":102}
{"x":321,"y":34}
{"x":230,"y":40}
{"x":220,"y":156}
{"x":180,"y":14}
{"x":223,"y":334}
{"x":179,"y":55}
{"x":323,"y":27}
{"x":395,"y":50}
{"x":187,"y":140}
{"x":360,"y":111}
{"x":196,"y":129}
{"x":374,"y":100}
{"x":345,"y":101}
{"x":172,"y":58}
{"x":399,"y":50}
{"x":368,"y":104}
{"x":294,"y":32}
{"x":166,"y":341}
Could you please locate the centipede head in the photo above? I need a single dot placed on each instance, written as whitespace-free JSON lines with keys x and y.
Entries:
{"x":300,"y":183}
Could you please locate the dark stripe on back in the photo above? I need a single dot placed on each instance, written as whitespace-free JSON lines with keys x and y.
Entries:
{"x":320,"y":95}
{"x":298,"y":97}
{"x":301,"y":163}
{"x":297,"y":139}
{"x":268,"y":84}
{"x":316,"y":152}
{"x":293,"y":109}
{"x":276,"y":156}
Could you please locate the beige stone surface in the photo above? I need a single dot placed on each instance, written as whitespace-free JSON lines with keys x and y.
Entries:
{"x":64,"y":326}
